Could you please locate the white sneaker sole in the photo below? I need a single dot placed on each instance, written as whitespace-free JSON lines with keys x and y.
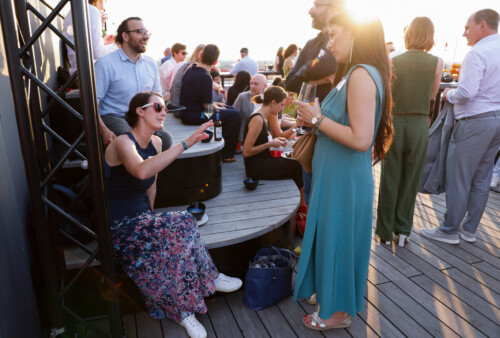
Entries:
{"x":467,"y":239}
{"x":439,"y":239}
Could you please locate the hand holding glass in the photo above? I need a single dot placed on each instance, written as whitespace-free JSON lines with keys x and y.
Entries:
{"x":307,"y":94}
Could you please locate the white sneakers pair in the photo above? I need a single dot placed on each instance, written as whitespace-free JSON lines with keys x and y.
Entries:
{"x":222,"y":283}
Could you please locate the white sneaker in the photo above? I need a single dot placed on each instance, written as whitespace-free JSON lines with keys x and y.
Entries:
{"x":224,"y":283}
{"x":193,"y":327}
{"x":494,"y":181}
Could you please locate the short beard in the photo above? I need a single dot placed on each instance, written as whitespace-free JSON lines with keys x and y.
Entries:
{"x":317,"y":25}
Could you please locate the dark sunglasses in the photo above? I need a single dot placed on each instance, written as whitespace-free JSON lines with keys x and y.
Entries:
{"x":184,"y":53}
{"x":158,"y":107}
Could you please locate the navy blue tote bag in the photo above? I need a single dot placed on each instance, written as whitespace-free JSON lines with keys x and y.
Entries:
{"x":269,"y":277}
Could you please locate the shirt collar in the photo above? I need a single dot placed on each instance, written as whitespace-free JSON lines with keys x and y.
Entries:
{"x":125,"y":58}
{"x":488,"y":38}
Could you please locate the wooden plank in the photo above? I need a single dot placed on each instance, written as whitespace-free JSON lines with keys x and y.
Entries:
{"x":476,"y":285}
{"x":204,"y":319}
{"x":378,"y":322}
{"x":416,"y":311}
{"x":454,"y":287}
{"x":147,"y":327}
{"x":386,"y":253}
{"x":172,"y":329}
{"x":293,"y":314}
{"x":130,"y":326}
{"x":274,"y":322}
{"x":223,"y":321}
{"x":473,"y":317}
{"x":489,"y":269}
{"x":248,"y":321}
{"x":375,"y":277}
{"x":392,"y":312}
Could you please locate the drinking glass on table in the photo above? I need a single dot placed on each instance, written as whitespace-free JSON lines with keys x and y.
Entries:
{"x":208,"y":112}
{"x":307,"y":94}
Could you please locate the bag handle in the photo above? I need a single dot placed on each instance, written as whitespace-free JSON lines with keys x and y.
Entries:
{"x":287,"y":251}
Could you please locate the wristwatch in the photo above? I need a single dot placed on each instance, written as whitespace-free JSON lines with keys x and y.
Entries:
{"x":315,"y":119}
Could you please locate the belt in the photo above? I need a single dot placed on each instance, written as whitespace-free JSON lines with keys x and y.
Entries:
{"x":488,"y":114}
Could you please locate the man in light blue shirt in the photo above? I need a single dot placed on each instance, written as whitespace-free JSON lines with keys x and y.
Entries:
{"x":476,"y":136}
{"x":245,"y":63}
{"x":122,"y":74}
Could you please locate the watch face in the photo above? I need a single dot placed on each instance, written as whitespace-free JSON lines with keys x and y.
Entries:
{"x":314,"y":120}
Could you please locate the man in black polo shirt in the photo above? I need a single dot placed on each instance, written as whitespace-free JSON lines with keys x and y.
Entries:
{"x":196,"y":93}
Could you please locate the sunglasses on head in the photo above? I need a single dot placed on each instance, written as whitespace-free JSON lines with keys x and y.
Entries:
{"x":158,"y":107}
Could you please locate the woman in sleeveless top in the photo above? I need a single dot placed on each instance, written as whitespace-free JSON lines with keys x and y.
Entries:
{"x":162,"y":252}
{"x":353,"y":119}
{"x":417,"y":75}
{"x":259,"y":164}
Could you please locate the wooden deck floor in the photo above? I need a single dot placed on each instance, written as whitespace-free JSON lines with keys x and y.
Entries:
{"x":424,"y":289}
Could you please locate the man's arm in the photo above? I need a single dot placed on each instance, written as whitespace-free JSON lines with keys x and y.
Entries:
{"x":102,"y":85}
{"x":470,"y":78}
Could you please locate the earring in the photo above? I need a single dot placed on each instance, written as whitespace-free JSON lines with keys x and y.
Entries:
{"x":350,"y":53}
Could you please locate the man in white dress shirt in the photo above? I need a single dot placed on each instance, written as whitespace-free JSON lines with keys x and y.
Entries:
{"x":245,"y":63}
{"x":169,"y":67}
{"x":476,"y":136}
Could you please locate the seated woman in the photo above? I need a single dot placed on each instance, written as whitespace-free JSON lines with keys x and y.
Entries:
{"x":162,"y":252}
{"x":259,"y":164}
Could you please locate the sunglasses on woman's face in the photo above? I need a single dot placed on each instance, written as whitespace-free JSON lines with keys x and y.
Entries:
{"x":158,"y":107}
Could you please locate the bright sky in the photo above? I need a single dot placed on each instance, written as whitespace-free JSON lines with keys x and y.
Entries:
{"x":265,"y":25}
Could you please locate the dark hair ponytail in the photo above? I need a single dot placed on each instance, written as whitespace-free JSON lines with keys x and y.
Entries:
{"x":273,"y":93}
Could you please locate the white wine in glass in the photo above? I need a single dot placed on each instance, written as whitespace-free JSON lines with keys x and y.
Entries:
{"x":308,"y":95}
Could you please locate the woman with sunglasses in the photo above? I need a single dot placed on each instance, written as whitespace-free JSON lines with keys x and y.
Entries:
{"x":162,"y":252}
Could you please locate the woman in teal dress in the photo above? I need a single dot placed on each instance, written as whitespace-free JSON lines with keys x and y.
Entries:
{"x":353,"y":119}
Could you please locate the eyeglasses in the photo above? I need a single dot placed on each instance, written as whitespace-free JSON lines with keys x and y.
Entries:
{"x":158,"y":107}
{"x":184,"y":53}
{"x":140,"y":31}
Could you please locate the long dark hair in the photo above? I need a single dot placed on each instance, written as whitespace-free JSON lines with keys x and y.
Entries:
{"x":242,"y":80}
{"x":369,"y":48}
{"x":290,"y":50}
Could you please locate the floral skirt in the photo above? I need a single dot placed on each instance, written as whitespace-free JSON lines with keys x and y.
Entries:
{"x":167,"y":259}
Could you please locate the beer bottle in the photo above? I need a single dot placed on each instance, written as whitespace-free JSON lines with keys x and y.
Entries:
{"x":217,"y":127}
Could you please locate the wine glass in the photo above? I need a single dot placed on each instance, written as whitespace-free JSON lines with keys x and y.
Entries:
{"x":307,"y":94}
{"x":208,"y":110}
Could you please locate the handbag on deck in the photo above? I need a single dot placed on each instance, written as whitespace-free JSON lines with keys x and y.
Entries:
{"x":269,"y":277}
{"x":303,"y":150}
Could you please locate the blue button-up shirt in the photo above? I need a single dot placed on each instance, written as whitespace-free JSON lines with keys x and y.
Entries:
{"x":478,"y":88}
{"x":246,"y":64}
{"x":118,"y":79}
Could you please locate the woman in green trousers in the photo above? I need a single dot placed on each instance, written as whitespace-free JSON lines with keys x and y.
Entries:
{"x":417,"y":75}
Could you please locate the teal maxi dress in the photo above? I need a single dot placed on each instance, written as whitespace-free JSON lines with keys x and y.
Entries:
{"x":336,"y":246}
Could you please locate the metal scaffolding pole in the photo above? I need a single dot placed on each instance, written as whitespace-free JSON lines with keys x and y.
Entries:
{"x":95,"y":151}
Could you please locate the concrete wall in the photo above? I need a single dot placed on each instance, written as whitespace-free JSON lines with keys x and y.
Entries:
{"x":18,"y":311}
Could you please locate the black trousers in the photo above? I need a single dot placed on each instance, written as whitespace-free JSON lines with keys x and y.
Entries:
{"x":274,"y":168}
